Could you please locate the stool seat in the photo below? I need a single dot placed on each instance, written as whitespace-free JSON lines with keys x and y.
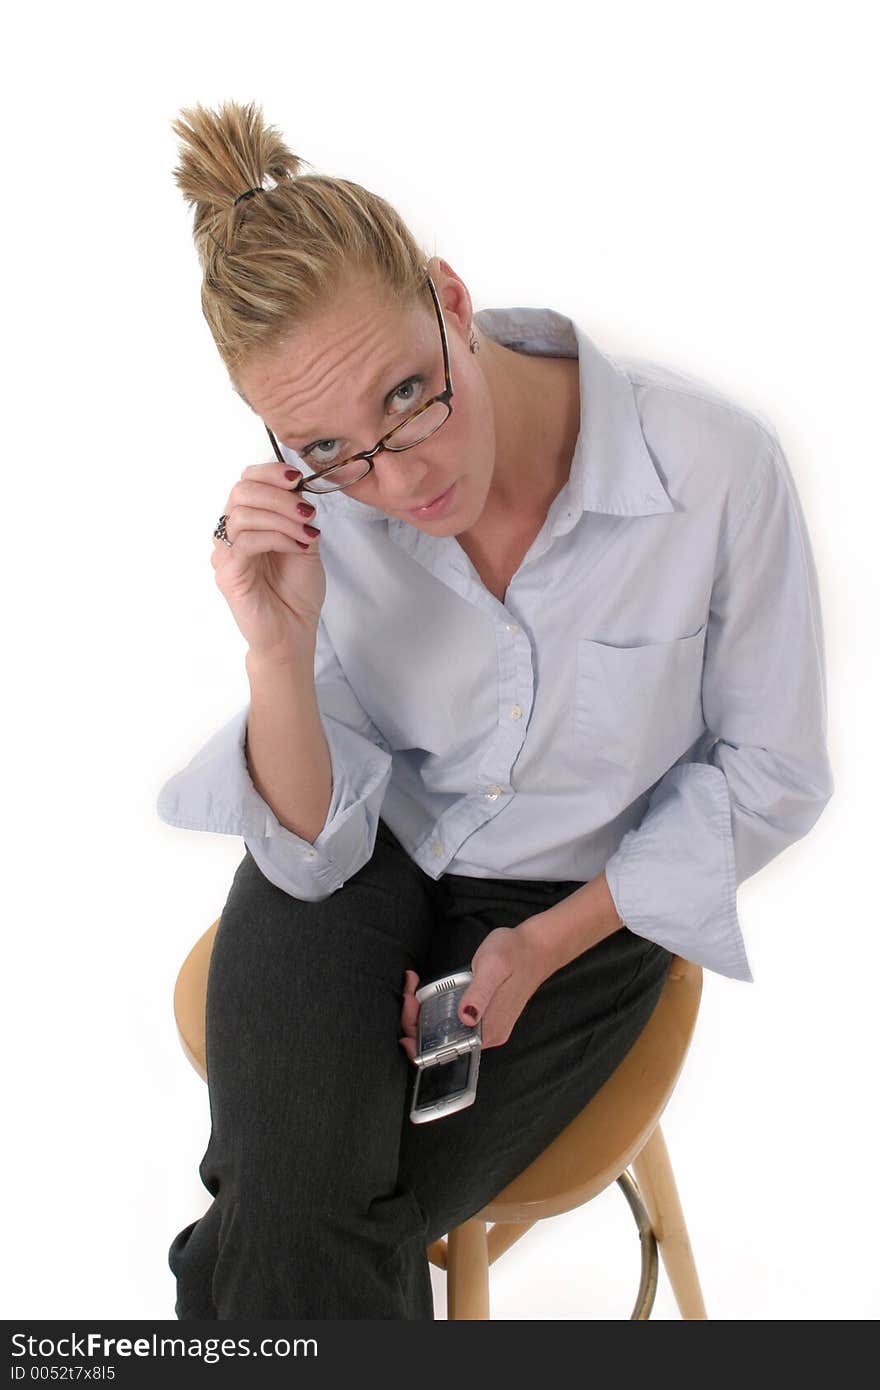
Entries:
{"x":618,"y":1126}
{"x":616,"y":1123}
{"x":190,"y":998}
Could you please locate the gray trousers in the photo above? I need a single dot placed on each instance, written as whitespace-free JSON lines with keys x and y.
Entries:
{"x":326,"y":1195}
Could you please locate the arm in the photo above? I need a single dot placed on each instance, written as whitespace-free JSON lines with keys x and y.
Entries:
{"x":285,"y":746}
{"x":710,"y":825}
{"x":215,"y":791}
{"x":572,"y":926}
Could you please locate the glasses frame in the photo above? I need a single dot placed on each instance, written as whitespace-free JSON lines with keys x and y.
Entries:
{"x":444,"y":396}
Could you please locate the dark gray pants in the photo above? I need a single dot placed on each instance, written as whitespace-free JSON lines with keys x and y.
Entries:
{"x":325,"y":1193}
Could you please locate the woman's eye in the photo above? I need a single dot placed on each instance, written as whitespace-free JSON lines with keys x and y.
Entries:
{"x":413,"y":385}
{"x":321,"y":458}
{"x":408,"y":392}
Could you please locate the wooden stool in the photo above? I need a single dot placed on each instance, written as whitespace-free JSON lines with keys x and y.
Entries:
{"x":619,"y":1126}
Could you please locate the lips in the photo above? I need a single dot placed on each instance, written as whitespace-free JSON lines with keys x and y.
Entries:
{"x":437,"y":507}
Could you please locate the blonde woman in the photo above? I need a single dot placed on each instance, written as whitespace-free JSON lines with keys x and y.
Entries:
{"x":536,"y":680}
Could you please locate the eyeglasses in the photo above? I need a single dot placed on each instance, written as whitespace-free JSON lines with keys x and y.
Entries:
{"x":413,"y":430}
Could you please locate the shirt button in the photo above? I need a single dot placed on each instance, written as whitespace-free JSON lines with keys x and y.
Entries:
{"x":515,"y":712}
{"x":310,"y":853}
{"x":437,"y":848}
{"x":493,"y":793}
{"x":512,"y":627}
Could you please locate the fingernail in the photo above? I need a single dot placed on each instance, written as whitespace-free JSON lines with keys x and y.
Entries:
{"x":305,"y":509}
{"x":312,"y":530}
{"x":290,"y":474}
{"x":470,"y":1011}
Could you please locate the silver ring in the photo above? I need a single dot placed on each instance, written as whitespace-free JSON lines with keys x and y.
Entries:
{"x":220,"y":530}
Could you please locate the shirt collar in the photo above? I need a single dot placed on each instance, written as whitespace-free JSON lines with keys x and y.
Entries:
{"x":612,"y":470}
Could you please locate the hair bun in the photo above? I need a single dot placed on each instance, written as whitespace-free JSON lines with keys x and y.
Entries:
{"x":225,"y":156}
{"x":271,"y":263}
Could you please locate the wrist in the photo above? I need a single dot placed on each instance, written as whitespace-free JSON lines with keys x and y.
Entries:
{"x":295,"y":656}
{"x":574,"y":925}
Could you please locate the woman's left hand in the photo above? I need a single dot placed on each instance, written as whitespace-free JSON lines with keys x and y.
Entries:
{"x":508,"y":967}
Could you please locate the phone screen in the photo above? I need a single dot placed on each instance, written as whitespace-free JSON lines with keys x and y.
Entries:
{"x":447,"y":1079}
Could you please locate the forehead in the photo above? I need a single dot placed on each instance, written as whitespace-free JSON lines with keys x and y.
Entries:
{"x":358,"y":304}
{"x":347,"y":347}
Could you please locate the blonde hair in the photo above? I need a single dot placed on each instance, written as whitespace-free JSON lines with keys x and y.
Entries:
{"x":273,"y":260}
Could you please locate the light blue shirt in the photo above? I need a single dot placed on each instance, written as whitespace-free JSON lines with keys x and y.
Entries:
{"x":649,"y":699}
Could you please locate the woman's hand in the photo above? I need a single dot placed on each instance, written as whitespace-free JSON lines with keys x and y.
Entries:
{"x":271,"y":576}
{"x":508,"y":967}
{"x":409,"y":1014}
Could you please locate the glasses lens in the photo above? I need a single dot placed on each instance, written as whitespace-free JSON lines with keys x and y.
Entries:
{"x":342,"y":476}
{"x":410,"y":432}
{"x":413,"y":431}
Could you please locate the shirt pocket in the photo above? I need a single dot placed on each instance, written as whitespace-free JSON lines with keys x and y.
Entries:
{"x":638,"y":708}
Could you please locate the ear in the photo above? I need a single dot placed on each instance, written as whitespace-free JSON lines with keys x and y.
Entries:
{"x":454,"y":295}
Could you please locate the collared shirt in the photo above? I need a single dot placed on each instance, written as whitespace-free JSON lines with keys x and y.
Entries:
{"x":650,"y":697}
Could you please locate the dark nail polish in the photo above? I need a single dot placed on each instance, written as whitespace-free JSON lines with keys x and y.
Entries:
{"x":312,"y":530}
{"x":290,"y":474}
{"x":304,"y":509}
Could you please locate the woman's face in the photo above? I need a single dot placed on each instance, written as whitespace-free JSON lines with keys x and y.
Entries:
{"x":341,"y":382}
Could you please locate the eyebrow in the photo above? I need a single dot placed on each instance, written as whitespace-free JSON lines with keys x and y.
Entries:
{"x":313,"y":437}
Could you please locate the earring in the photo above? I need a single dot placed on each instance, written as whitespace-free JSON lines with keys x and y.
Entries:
{"x":475,"y":346}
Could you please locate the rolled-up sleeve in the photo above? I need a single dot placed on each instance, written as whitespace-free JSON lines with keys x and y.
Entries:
{"x":215,"y":792}
{"x":764,"y":782}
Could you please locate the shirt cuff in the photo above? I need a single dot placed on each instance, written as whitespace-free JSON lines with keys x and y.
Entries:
{"x":215,"y":792}
{"x":673,"y":877}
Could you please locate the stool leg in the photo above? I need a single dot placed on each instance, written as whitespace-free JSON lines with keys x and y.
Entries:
{"x":657,"y":1186}
{"x":467,"y":1271}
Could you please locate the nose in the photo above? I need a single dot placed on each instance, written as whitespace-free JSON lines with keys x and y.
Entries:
{"x":401,"y":476}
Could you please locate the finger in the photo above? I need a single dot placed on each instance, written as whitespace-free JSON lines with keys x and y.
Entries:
{"x":488,"y":977}
{"x":265,"y":486}
{"x":410,"y":1009}
{"x":410,"y":1026}
{"x":242,"y":518}
{"x":275,"y":473}
{"x":254,"y":543}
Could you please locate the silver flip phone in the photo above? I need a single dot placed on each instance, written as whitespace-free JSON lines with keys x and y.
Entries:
{"x":447,"y":1051}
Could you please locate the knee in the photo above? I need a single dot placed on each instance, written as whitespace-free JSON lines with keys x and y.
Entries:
{"x":281,"y":1210}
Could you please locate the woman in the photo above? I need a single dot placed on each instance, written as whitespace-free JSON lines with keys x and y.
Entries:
{"x":541,"y":727}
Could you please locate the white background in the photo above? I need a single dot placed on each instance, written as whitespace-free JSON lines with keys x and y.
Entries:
{"x":693,"y":183}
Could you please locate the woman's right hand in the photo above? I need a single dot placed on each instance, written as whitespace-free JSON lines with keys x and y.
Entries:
{"x":271,"y":576}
